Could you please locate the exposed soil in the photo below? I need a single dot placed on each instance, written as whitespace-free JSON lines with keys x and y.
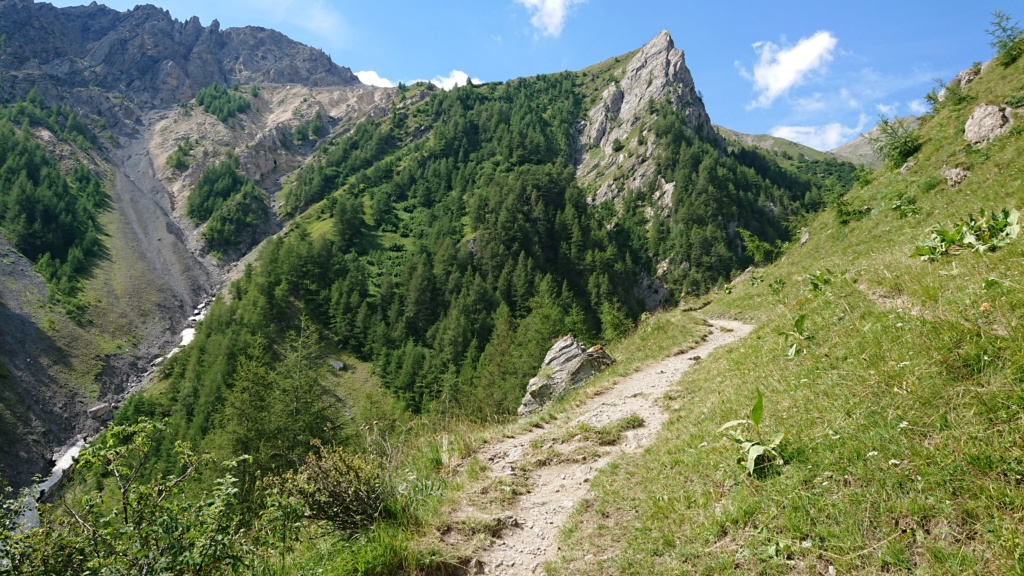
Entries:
{"x":554,"y":475}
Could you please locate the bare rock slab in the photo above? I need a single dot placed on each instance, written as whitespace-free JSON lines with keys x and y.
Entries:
{"x":987,"y":122}
{"x":566,"y":366}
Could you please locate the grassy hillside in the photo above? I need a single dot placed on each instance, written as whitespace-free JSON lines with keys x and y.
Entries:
{"x":902,"y":402}
{"x":772,"y":143}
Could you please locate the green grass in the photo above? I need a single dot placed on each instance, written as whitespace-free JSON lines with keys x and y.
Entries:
{"x":608,"y":434}
{"x":903,"y":418}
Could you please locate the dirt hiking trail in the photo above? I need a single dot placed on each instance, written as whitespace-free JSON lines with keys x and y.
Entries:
{"x":527,"y":533}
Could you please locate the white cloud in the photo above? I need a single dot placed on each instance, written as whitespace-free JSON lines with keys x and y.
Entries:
{"x":371,"y":78}
{"x":455,"y":78}
{"x":848,"y":98}
{"x":824,"y":137}
{"x":317,"y":16}
{"x":549,"y":15}
{"x":810,"y":104}
{"x":918,"y":107}
{"x":320,"y":18}
{"x":888,"y":109}
{"x":780,"y":69}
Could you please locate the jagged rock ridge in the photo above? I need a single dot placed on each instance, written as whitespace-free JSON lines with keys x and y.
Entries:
{"x":146,"y":53}
{"x":621,"y":118}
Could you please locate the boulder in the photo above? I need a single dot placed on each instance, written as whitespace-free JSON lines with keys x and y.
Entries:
{"x":986,"y":123}
{"x":955,"y":176}
{"x":101,"y":412}
{"x":566,"y":366}
{"x":337,"y":364}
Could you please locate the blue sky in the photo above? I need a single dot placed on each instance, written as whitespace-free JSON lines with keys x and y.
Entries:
{"x":818,"y":72}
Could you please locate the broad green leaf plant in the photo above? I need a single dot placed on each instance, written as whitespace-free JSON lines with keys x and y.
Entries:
{"x":756,"y":455}
{"x":976,"y":234}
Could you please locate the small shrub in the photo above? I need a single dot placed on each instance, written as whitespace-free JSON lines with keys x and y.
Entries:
{"x":776,"y":286}
{"x":930,"y":183}
{"x":845,"y":214}
{"x":1015,"y":101}
{"x":617,"y":145}
{"x":896,"y":142}
{"x":346,"y":490}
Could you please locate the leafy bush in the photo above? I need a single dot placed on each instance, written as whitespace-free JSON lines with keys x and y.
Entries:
{"x":978,"y":234}
{"x":617,"y":145}
{"x":820,"y":279}
{"x":218,"y":101}
{"x":930,"y":183}
{"x":845,"y":214}
{"x":141,"y":527}
{"x":896,"y":142}
{"x":346,"y":490}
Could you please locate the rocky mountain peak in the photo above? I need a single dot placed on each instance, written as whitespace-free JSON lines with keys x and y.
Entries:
{"x":618,"y":123}
{"x":145,"y":52}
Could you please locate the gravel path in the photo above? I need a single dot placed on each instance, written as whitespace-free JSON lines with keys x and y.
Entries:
{"x":533,"y":521}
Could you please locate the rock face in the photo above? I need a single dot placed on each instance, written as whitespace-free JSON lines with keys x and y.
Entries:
{"x":160,"y":61}
{"x":566,"y":366}
{"x":658,"y":71}
{"x":987,"y":122}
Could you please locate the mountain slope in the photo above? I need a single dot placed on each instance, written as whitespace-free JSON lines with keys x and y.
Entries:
{"x":458,"y":231}
{"x":771,"y":143}
{"x":123,"y":83}
{"x":895,"y":381}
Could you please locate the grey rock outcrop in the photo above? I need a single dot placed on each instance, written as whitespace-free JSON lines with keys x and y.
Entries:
{"x":145,"y":52}
{"x":657,"y":72}
{"x":960,"y":81}
{"x":955,"y":176}
{"x":566,"y":366}
{"x":987,"y":122}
